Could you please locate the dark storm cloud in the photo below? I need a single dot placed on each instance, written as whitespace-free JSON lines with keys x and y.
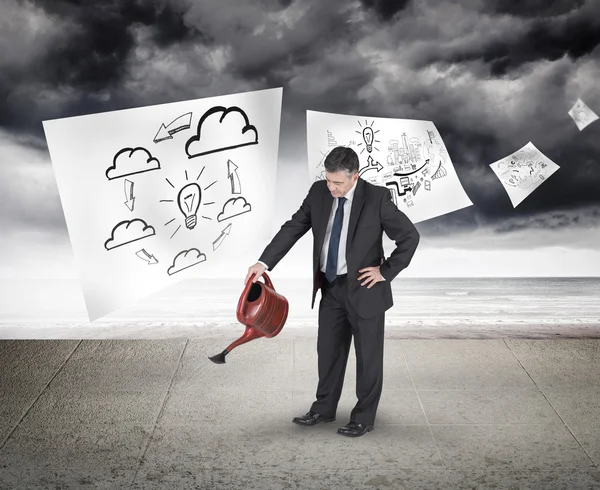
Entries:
{"x":386,"y":9}
{"x":104,"y":25}
{"x":489,"y":76}
{"x":584,"y":218}
{"x":573,"y":230}
{"x":545,"y":40}
{"x":535,"y":8}
{"x":268,"y":45}
{"x":549,"y":31}
{"x":89,"y":57}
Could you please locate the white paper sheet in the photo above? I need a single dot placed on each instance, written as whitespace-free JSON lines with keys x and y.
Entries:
{"x":157,"y":194}
{"x":406,"y":156}
{"x":523,"y":171}
{"x":582,"y":114}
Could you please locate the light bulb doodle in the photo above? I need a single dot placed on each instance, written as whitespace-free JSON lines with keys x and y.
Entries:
{"x":368,"y":137}
{"x":188,"y":201}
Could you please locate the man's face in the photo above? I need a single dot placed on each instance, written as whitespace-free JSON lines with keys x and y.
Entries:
{"x":339,"y":183}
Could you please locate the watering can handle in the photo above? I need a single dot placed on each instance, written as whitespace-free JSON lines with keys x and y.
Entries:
{"x":242,"y":303}
{"x":268,"y":280}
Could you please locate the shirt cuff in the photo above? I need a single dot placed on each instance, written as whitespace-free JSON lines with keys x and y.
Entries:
{"x":261,"y":262}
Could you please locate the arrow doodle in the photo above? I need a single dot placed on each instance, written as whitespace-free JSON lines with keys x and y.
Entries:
{"x":219,"y":240}
{"x":236,"y":186}
{"x":129,"y":194}
{"x":145,"y":256}
{"x":179,"y":124}
{"x":372,"y":164}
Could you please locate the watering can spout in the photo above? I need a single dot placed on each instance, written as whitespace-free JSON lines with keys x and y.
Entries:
{"x":219,"y":358}
{"x":262,"y":310}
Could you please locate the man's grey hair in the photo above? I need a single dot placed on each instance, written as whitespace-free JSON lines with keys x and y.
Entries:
{"x":342,"y":158}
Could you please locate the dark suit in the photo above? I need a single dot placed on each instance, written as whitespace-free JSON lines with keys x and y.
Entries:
{"x":346,"y":307}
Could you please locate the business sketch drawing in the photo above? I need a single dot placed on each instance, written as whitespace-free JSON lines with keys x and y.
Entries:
{"x":408,"y":157}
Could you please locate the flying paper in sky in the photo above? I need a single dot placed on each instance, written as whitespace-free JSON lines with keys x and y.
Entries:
{"x":582,"y":115}
{"x":523,"y":172}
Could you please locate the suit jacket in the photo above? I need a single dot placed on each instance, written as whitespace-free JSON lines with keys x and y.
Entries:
{"x":372,"y":213}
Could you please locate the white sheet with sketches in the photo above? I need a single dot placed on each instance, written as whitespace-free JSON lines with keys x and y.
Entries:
{"x":523,"y":171}
{"x":157,"y":194}
{"x":406,"y":156}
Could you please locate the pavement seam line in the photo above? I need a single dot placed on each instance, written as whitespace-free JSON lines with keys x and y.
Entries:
{"x":437,"y":448}
{"x":3,"y":443}
{"x":551,"y":405}
{"x":160,"y":412}
{"x":293,"y":461}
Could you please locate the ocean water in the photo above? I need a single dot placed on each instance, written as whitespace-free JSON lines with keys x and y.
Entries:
{"x":444,"y":307}
{"x":501,"y":298}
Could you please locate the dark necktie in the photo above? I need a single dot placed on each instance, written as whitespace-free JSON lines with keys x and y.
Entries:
{"x":334,"y":241}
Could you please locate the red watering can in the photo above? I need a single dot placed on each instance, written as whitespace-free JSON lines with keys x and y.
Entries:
{"x":262,"y":310}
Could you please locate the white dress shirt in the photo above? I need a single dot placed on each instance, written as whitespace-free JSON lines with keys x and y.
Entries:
{"x":342,"y":267}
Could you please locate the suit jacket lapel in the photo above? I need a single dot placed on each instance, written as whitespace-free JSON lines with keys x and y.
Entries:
{"x":357,"y":205}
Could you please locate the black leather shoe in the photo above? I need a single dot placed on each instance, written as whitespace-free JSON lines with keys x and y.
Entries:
{"x":352,"y":429}
{"x":311,"y":418}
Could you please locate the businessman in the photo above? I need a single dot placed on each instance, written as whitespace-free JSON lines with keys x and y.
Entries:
{"x":348,"y":217}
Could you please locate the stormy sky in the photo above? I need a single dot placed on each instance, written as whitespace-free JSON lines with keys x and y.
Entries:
{"x":491,"y":74}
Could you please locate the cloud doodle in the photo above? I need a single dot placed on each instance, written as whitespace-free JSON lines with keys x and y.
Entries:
{"x":234,"y":207}
{"x":128,"y":231}
{"x":186,"y":259}
{"x":130,"y":161}
{"x":221,"y":129}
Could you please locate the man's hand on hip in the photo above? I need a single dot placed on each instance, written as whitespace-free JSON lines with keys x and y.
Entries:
{"x":257,"y":269}
{"x":371,"y":276}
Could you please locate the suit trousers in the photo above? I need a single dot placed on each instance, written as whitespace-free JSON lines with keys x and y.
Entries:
{"x":338,"y":323}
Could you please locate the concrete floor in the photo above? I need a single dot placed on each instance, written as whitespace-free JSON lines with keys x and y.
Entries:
{"x":154,"y":414}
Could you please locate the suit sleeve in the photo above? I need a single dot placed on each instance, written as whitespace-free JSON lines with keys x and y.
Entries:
{"x":291,"y":231}
{"x":401,"y":230}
